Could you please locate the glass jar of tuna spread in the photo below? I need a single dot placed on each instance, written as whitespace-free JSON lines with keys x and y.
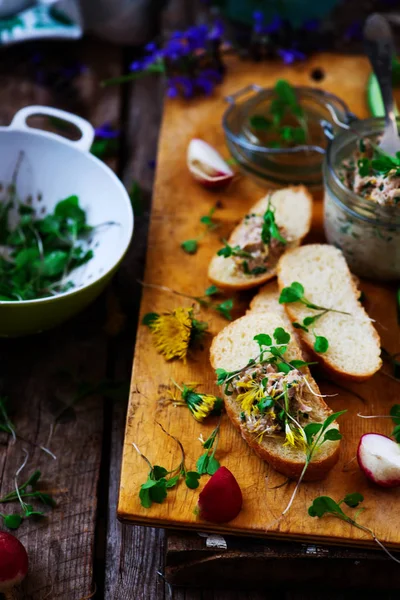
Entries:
{"x":362,"y":201}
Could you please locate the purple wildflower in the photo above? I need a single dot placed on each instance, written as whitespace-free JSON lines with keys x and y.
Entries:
{"x":136,"y":65}
{"x":258,"y":18}
{"x":106,"y":132}
{"x":217,"y":30}
{"x":151,"y":47}
{"x":290,"y":55}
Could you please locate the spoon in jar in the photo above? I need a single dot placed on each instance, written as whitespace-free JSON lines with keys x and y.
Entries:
{"x":380,"y":50}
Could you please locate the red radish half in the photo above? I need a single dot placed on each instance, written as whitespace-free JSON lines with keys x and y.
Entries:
{"x":207,"y":166}
{"x":379,"y":458}
{"x":13,"y":561}
{"x":221,"y":499}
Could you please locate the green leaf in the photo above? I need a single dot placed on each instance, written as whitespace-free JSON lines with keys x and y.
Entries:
{"x":311,"y":430}
{"x":12,"y":521}
{"x":364,"y":166}
{"x":221,"y":376}
{"x":286,"y":93}
{"x":281,"y":336}
{"x":202,"y":464}
{"x":283,"y":367}
{"x":149,"y":318}
{"x":149,"y":484}
{"x":265,"y":404}
{"x":172,"y":481}
{"x":329,"y":420}
{"x":213,"y":465}
{"x":159,"y":472}
{"x":33,"y":479}
{"x":321,"y":344}
{"x":55,"y":263}
{"x":190,"y":246}
{"x":396,"y":433}
{"x":70,"y":209}
{"x":25,"y":257}
{"x":353,"y":500}
{"x":299,"y":326}
{"x":144,"y":495}
{"x":224,"y":308}
{"x":323,"y":505}
{"x":293,"y":293}
{"x":226,"y":251}
{"x":260,"y":123}
{"x":46,"y":499}
{"x":332,"y":435}
{"x":158,"y":493}
{"x":297,"y":364}
{"x":263,"y":339}
{"x":395,"y":414}
{"x":192,"y":479}
{"x":212,"y":290}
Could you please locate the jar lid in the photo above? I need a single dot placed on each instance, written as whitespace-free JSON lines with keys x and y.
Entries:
{"x":259,"y":153}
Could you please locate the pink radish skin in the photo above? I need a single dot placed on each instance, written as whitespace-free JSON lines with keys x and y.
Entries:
{"x":13,"y":562}
{"x":378,"y":457}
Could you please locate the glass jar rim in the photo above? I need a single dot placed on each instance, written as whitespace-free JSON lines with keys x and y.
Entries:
{"x":386,"y":213}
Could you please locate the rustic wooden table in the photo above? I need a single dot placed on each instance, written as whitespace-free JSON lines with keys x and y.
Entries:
{"x":81,"y":550}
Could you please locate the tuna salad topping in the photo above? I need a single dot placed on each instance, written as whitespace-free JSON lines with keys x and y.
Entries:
{"x":372,"y":174}
{"x":257,"y":244}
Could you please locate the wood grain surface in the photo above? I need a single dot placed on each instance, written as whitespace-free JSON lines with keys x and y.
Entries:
{"x":178,"y":205}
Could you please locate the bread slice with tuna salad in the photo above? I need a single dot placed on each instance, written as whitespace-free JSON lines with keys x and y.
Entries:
{"x":276,"y":223}
{"x":322,"y":300}
{"x":269,"y":402}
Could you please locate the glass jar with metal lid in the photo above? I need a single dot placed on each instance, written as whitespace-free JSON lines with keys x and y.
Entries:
{"x":272,"y":166}
{"x":368,"y":233}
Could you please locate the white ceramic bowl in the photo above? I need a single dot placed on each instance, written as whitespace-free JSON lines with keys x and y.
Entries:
{"x":52,"y":169}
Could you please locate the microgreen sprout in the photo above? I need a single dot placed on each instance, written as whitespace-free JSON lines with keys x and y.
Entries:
{"x":22,"y":492}
{"x":191,"y":246}
{"x":207,"y":464}
{"x":223,"y":308}
{"x":394,"y":414}
{"x":324,"y":505}
{"x":160,"y":480}
{"x":295,"y":293}
{"x":285,"y":104}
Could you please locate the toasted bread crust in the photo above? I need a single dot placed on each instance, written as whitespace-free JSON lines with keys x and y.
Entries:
{"x":317,"y":469}
{"x":292,"y":468}
{"x":256,"y":280}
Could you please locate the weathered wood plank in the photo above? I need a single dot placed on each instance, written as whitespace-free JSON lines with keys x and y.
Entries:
{"x":60,"y":548}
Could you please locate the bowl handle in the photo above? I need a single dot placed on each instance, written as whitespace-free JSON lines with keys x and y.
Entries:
{"x":87,"y":131}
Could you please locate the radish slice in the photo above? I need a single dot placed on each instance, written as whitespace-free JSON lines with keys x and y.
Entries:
{"x":379,"y":458}
{"x":206,"y":165}
{"x":13,"y":561}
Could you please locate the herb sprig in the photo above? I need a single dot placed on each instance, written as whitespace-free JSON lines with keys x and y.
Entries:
{"x":191,"y":246}
{"x":223,"y":308}
{"x":22,"y":492}
{"x":324,"y":505}
{"x":160,"y":480}
{"x":283,"y":105}
{"x":207,"y":464}
{"x":295,"y":293}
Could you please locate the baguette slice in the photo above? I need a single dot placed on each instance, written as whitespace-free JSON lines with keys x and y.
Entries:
{"x":354,"y":344}
{"x":267,"y":300}
{"x":293,"y":211}
{"x":231,"y":349}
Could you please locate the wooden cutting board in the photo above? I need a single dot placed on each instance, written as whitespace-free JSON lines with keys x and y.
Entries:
{"x":177,"y":207}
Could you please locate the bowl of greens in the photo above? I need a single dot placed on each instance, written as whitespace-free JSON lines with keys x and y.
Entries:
{"x":66,"y":222}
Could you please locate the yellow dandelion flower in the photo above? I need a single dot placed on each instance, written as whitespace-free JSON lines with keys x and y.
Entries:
{"x":254,"y":393}
{"x":174,"y":331}
{"x":200,"y":405}
{"x":295,"y":437}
